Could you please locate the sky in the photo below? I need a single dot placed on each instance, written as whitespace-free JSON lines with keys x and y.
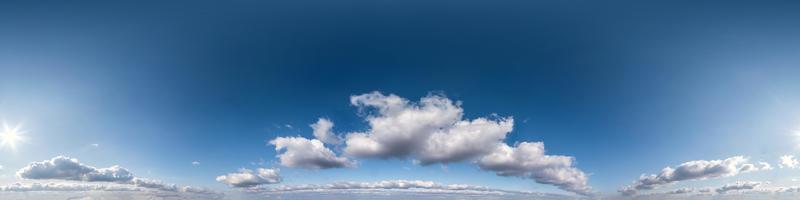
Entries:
{"x":398,"y":99}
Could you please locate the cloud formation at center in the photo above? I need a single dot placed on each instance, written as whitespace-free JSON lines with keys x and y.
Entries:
{"x":430,"y":131}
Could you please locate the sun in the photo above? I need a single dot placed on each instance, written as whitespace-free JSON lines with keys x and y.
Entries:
{"x":11,"y":136}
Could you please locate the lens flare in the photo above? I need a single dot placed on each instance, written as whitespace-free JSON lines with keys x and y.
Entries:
{"x":11,"y":136}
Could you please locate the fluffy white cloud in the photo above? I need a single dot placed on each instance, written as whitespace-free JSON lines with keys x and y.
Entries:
{"x":195,"y":163}
{"x":465,"y":140}
{"x":65,"y":168}
{"x":692,"y":170}
{"x":528,"y":159}
{"x":399,"y":128}
{"x":309,"y":154}
{"x":431,"y":131}
{"x":788,"y":161}
{"x":740,"y":185}
{"x":322,"y":131}
{"x":250,"y":178}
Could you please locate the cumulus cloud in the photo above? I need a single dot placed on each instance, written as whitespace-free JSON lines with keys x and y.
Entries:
{"x":431,"y":131}
{"x":399,"y":127}
{"x":788,"y":161}
{"x":250,"y":178}
{"x":65,"y":168}
{"x":299,"y":152}
{"x":692,"y":170}
{"x":528,"y":159}
{"x":195,"y":163}
{"x":740,"y":185}
{"x":322,"y":131}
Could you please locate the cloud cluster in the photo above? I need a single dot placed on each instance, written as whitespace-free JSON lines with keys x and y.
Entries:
{"x":62,"y":168}
{"x":387,"y":184}
{"x":788,"y":161}
{"x":250,"y":178}
{"x":430,"y":131}
{"x":528,"y":159}
{"x":65,"y":168}
{"x":693,"y":170}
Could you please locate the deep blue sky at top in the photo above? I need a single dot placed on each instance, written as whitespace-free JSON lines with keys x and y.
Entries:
{"x":626,"y":88}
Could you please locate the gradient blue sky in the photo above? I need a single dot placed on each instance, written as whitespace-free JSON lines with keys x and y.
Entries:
{"x":625,"y":88}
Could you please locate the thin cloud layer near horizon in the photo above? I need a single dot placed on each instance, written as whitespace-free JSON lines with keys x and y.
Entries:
{"x":399,"y":100}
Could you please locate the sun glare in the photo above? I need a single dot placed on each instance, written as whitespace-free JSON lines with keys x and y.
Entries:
{"x":10,"y":136}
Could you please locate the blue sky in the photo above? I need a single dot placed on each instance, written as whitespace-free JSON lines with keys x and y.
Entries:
{"x":624,"y":88}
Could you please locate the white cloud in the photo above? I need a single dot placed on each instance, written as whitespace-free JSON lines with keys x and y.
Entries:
{"x":65,"y":168}
{"x":308,"y":154}
{"x":195,"y":163}
{"x":68,"y":190}
{"x":1,"y":167}
{"x":62,"y":168}
{"x":95,"y":145}
{"x":681,"y":191}
{"x":322,"y":131}
{"x":384,"y":185}
{"x":765,"y":166}
{"x":740,"y":185}
{"x":692,"y":170}
{"x":465,"y":140}
{"x":154,"y":184}
{"x":788,"y":161}
{"x":250,"y":178}
{"x":399,"y":128}
{"x":70,"y":186}
{"x":528,"y":159}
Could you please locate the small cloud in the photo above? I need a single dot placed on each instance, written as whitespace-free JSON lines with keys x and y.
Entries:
{"x":299,"y":152}
{"x":195,"y":163}
{"x":1,"y":167}
{"x":95,"y":145}
{"x":249,"y":178}
{"x":740,"y":185}
{"x":788,"y":161}
{"x":693,"y":170}
{"x":289,"y":126}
